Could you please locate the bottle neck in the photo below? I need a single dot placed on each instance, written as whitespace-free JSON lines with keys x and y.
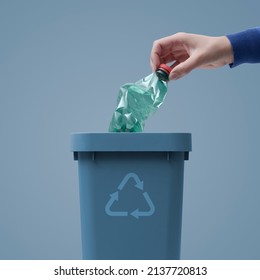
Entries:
{"x":163,"y":72}
{"x":162,"y":75}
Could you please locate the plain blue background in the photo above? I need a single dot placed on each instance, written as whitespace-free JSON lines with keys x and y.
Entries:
{"x":61,"y":65}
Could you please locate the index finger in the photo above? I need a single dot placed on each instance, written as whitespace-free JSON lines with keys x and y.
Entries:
{"x":162,"y":48}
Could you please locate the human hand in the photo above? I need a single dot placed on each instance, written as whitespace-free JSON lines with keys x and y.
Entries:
{"x":190,"y":51}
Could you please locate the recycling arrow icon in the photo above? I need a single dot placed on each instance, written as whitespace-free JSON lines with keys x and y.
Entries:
{"x":114,"y":197}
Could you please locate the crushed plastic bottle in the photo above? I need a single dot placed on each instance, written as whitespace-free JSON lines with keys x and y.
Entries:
{"x":138,"y":101}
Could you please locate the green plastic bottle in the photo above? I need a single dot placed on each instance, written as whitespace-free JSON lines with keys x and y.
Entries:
{"x":138,"y":101}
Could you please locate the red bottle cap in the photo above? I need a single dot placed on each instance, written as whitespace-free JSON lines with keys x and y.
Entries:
{"x":165,"y":68}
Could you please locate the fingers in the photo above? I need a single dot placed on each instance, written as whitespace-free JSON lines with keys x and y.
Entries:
{"x":182,"y":62}
{"x":155,"y":58}
{"x":167,"y":49}
{"x":185,"y":67}
{"x":164,"y":50}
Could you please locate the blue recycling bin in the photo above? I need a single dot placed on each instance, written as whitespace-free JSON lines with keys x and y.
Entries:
{"x":131,"y":192}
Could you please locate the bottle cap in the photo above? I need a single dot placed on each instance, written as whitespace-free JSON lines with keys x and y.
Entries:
{"x":165,"y":68}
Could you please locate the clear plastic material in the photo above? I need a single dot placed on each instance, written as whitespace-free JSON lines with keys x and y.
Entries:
{"x":136,"y":102}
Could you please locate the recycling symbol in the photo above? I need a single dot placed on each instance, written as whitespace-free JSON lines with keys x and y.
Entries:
{"x":114,"y":197}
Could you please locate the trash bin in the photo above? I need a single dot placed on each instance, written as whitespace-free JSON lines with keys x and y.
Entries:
{"x":131,"y":189}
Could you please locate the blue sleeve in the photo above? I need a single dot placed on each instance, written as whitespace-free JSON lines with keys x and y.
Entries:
{"x":246,"y":46}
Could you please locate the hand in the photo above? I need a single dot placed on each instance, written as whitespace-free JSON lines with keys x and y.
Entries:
{"x":190,"y":51}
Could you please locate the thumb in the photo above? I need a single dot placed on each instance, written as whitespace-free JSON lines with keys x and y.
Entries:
{"x":183,"y":68}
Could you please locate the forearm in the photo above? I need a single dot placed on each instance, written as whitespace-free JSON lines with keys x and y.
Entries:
{"x":246,"y":46}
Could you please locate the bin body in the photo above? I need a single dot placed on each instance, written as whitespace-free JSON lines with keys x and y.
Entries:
{"x":131,"y":190}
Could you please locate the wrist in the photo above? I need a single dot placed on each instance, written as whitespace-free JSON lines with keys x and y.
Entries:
{"x":228,"y":53}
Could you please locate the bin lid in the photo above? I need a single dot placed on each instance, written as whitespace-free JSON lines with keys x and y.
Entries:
{"x":130,"y":142}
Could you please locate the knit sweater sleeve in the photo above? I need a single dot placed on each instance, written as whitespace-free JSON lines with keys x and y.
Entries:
{"x":246,"y":46}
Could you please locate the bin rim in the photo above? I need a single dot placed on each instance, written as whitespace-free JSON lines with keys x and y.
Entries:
{"x":130,"y":142}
